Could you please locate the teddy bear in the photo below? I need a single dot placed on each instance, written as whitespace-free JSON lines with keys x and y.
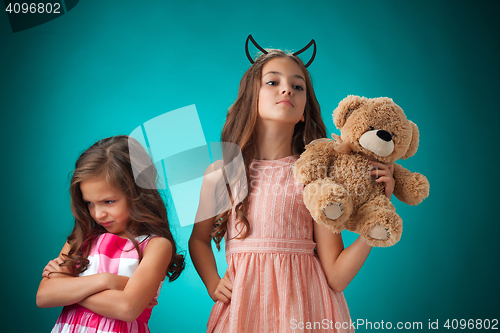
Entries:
{"x":339,"y":191}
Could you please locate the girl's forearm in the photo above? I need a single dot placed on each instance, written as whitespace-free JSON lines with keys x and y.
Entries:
{"x":61,"y":291}
{"x":113,"y":304}
{"x":347,"y":265}
{"x":204,"y":261}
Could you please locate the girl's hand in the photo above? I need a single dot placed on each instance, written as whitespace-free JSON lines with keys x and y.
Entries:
{"x":224,"y":290}
{"x":53,"y":269}
{"x":115,"y":282}
{"x":383,"y":173}
{"x":152,"y":304}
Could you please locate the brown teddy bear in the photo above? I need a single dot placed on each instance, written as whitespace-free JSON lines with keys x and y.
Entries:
{"x":339,"y":191}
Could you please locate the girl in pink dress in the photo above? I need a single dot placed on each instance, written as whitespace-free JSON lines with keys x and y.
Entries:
{"x":110,"y":271}
{"x":285,"y":272}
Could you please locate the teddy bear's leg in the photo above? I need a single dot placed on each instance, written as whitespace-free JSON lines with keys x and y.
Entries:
{"x":329,"y":203}
{"x":378,"y":222}
{"x":378,"y":231}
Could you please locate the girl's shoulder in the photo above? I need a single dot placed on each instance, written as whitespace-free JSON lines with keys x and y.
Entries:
{"x":158,"y":246}
{"x":144,"y":242}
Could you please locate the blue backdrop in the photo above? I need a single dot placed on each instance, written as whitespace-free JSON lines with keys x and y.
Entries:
{"x":106,"y":67}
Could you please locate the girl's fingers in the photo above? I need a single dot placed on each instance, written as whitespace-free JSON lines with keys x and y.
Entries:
{"x":226,"y":295}
{"x":380,"y":173}
{"x":226,"y":292}
{"x":54,"y":267}
{"x":224,"y":289}
{"x":382,"y":166}
{"x":152,"y":304}
{"x":383,"y":179}
{"x":227,"y":284}
{"x":221,"y":297}
{"x":391,"y":168}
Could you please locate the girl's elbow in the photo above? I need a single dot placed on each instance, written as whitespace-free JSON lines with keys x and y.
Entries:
{"x":42,"y":301}
{"x":337,"y":286}
{"x":337,"y":289}
{"x":129,"y":311}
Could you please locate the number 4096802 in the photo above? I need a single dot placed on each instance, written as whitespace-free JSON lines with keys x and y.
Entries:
{"x":33,"y":8}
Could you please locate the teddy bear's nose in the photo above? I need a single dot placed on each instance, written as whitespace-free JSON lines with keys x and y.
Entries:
{"x":384,"y":135}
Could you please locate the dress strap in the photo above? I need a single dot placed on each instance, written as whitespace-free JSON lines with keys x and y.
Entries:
{"x":270,"y":245}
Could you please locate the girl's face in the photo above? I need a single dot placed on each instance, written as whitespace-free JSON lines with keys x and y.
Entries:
{"x":282,"y":94}
{"x":107,"y":205}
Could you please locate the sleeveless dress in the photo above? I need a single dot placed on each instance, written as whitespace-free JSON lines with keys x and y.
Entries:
{"x":112,"y":254}
{"x":278,"y":282}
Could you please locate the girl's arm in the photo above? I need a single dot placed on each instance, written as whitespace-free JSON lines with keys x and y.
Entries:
{"x":200,"y":242}
{"x":341,"y":265}
{"x":129,"y":303}
{"x":61,"y":290}
{"x":200,"y":249}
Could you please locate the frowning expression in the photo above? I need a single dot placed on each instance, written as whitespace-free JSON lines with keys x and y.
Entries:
{"x":107,"y":205}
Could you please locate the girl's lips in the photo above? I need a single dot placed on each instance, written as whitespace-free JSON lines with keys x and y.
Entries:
{"x":285,"y":101}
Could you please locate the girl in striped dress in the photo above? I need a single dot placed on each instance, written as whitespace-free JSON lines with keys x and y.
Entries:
{"x":286,"y":273}
{"x":110,"y":271}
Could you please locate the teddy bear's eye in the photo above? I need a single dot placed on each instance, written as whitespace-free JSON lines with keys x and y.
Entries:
{"x":372,"y":128}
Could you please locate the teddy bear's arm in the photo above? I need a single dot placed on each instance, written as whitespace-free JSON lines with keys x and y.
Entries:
{"x":411,"y":187}
{"x":314,"y":163}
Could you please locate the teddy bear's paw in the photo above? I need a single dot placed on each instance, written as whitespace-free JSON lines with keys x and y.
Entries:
{"x":333,"y":210}
{"x":379,"y":232}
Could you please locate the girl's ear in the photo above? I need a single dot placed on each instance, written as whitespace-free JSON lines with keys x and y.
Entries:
{"x":346,"y":107}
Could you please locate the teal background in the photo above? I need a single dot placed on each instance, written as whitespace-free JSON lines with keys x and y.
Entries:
{"x":106,"y":67}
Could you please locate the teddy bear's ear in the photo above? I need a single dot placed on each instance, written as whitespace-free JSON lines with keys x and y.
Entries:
{"x":346,"y":108}
{"x":412,"y":149}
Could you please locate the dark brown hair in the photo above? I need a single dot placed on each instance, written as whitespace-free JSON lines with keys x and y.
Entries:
{"x":240,"y":128}
{"x":110,"y":158}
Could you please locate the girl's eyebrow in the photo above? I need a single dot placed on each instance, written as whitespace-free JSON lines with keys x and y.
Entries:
{"x":108,"y":198}
{"x":278,"y":73}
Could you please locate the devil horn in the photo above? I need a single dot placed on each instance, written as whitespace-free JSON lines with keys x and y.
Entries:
{"x":256,"y":45}
{"x":305,"y":48}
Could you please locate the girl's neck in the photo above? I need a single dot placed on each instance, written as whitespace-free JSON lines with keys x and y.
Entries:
{"x":273,"y":142}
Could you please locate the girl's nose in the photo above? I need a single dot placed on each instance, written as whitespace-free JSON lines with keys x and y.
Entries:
{"x":286,"y":90}
{"x":99,"y":213}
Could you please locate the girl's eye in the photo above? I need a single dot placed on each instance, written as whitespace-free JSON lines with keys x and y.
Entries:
{"x":298,"y":87}
{"x":109,"y":201}
{"x":271,"y":83}
{"x":88,"y":203}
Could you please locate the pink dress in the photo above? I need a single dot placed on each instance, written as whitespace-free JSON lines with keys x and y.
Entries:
{"x":278,"y":283}
{"x":112,"y":254}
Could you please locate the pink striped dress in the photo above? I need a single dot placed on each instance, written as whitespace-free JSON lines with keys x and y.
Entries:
{"x":111,"y":254}
{"x":278,"y":283}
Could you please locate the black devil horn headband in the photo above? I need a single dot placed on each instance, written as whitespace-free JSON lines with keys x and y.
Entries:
{"x":312,"y":42}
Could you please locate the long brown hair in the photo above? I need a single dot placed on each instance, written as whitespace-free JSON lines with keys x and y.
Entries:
{"x":110,"y":158}
{"x":240,"y":128}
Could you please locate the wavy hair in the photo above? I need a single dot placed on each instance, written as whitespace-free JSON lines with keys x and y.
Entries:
{"x":110,"y":158}
{"x":240,"y":128}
